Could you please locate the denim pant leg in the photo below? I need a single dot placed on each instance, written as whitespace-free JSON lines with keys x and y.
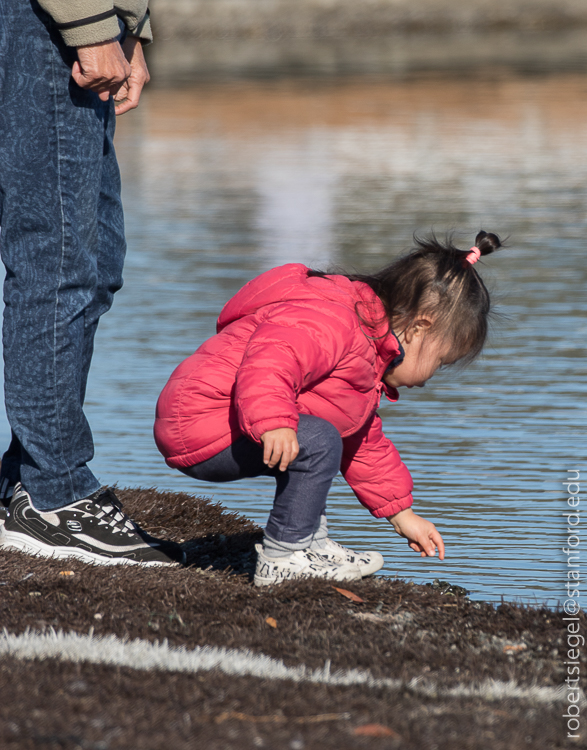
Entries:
{"x":62,"y":243}
{"x":302,"y":490}
{"x":111,"y":246}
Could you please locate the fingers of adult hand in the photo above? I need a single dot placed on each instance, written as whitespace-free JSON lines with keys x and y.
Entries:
{"x":96,"y":81}
{"x":140,"y":71}
{"x":103,"y":88}
{"x":134,"y":86}
{"x":122,"y":93}
{"x":79,"y":76}
{"x":129,"y":99}
{"x":101,"y":67}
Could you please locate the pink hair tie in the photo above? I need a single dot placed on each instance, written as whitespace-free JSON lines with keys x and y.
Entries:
{"x":473,"y":255}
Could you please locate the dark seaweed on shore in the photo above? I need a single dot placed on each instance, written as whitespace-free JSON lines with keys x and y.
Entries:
{"x":400,"y":629}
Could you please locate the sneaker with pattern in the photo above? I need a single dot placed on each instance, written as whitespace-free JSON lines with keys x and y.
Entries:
{"x":94,"y":529}
{"x":6,"y":492}
{"x":301,"y":564}
{"x":368,"y":562}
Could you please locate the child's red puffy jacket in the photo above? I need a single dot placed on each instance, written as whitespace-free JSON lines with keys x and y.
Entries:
{"x":289,"y":345}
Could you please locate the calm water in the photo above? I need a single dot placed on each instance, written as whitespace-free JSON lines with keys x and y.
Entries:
{"x":223,"y":182}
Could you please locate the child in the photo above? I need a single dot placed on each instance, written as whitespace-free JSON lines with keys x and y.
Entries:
{"x":290,"y":385}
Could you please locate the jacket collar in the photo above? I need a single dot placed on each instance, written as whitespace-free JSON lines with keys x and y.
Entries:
{"x":375,"y":325}
{"x":389,"y":349}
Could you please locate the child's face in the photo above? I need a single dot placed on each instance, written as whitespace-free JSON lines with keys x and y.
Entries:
{"x":425,"y":353}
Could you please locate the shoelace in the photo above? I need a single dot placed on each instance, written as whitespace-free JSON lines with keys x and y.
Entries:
{"x":110,"y":513}
{"x":349,"y":554}
{"x":316,"y":559}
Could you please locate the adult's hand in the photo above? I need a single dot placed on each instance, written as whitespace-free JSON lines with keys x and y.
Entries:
{"x":102,"y":68}
{"x":129,"y":93}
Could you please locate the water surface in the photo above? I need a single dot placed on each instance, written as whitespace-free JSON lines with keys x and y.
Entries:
{"x":222,"y":182}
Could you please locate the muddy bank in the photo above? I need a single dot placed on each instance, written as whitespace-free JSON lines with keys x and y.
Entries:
{"x":398,"y":630}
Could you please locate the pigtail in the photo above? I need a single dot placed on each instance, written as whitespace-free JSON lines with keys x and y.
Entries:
{"x":487,"y":242}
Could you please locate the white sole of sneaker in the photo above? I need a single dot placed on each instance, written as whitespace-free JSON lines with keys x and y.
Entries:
{"x":368,"y":570}
{"x":30,"y":546}
{"x":377,"y":562}
{"x":261,"y":581}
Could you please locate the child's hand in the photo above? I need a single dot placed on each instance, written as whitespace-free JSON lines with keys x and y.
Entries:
{"x":280,"y":447}
{"x":422,"y":535}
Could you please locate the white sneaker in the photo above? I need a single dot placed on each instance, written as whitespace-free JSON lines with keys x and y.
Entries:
{"x":301,"y":564}
{"x":368,"y":562}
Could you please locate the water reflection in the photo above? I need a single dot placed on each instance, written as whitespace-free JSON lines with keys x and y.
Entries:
{"x":223,"y":182}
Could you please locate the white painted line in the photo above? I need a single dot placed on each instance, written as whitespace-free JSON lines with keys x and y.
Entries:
{"x":144,"y":655}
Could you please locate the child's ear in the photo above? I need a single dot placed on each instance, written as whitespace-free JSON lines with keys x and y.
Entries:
{"x":417,"y":328}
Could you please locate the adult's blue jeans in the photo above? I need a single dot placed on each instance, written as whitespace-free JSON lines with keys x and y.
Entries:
{"x":62,"y":243}
{"x":301,"y":490}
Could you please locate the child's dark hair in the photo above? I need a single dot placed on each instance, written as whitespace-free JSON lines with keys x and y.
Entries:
{"x":437,"y":280}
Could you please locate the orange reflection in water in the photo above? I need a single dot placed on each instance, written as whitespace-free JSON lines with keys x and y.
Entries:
{"x":240,"y":107}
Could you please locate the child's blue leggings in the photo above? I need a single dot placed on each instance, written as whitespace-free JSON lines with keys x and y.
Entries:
{"x":297,"y":520}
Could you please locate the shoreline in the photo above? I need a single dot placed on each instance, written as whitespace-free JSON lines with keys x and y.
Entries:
{"x":143,"y":648}
{"x":185,"y":61}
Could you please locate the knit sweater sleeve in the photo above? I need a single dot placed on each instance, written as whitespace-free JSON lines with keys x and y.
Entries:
{"x":85,"y":22}
{"x":374,"y":470}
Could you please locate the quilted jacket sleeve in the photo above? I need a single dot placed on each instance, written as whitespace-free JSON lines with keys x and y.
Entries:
{"x":373,"y":468}
{"x":292,"y":348}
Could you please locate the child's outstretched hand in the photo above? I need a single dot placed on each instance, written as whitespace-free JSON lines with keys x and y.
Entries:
{"x":422,"y":536}
{"x":280,"y":447}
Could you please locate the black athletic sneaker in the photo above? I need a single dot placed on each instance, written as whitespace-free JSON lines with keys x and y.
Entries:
{"x":6,"y":492}
{"x":94,"y":529}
